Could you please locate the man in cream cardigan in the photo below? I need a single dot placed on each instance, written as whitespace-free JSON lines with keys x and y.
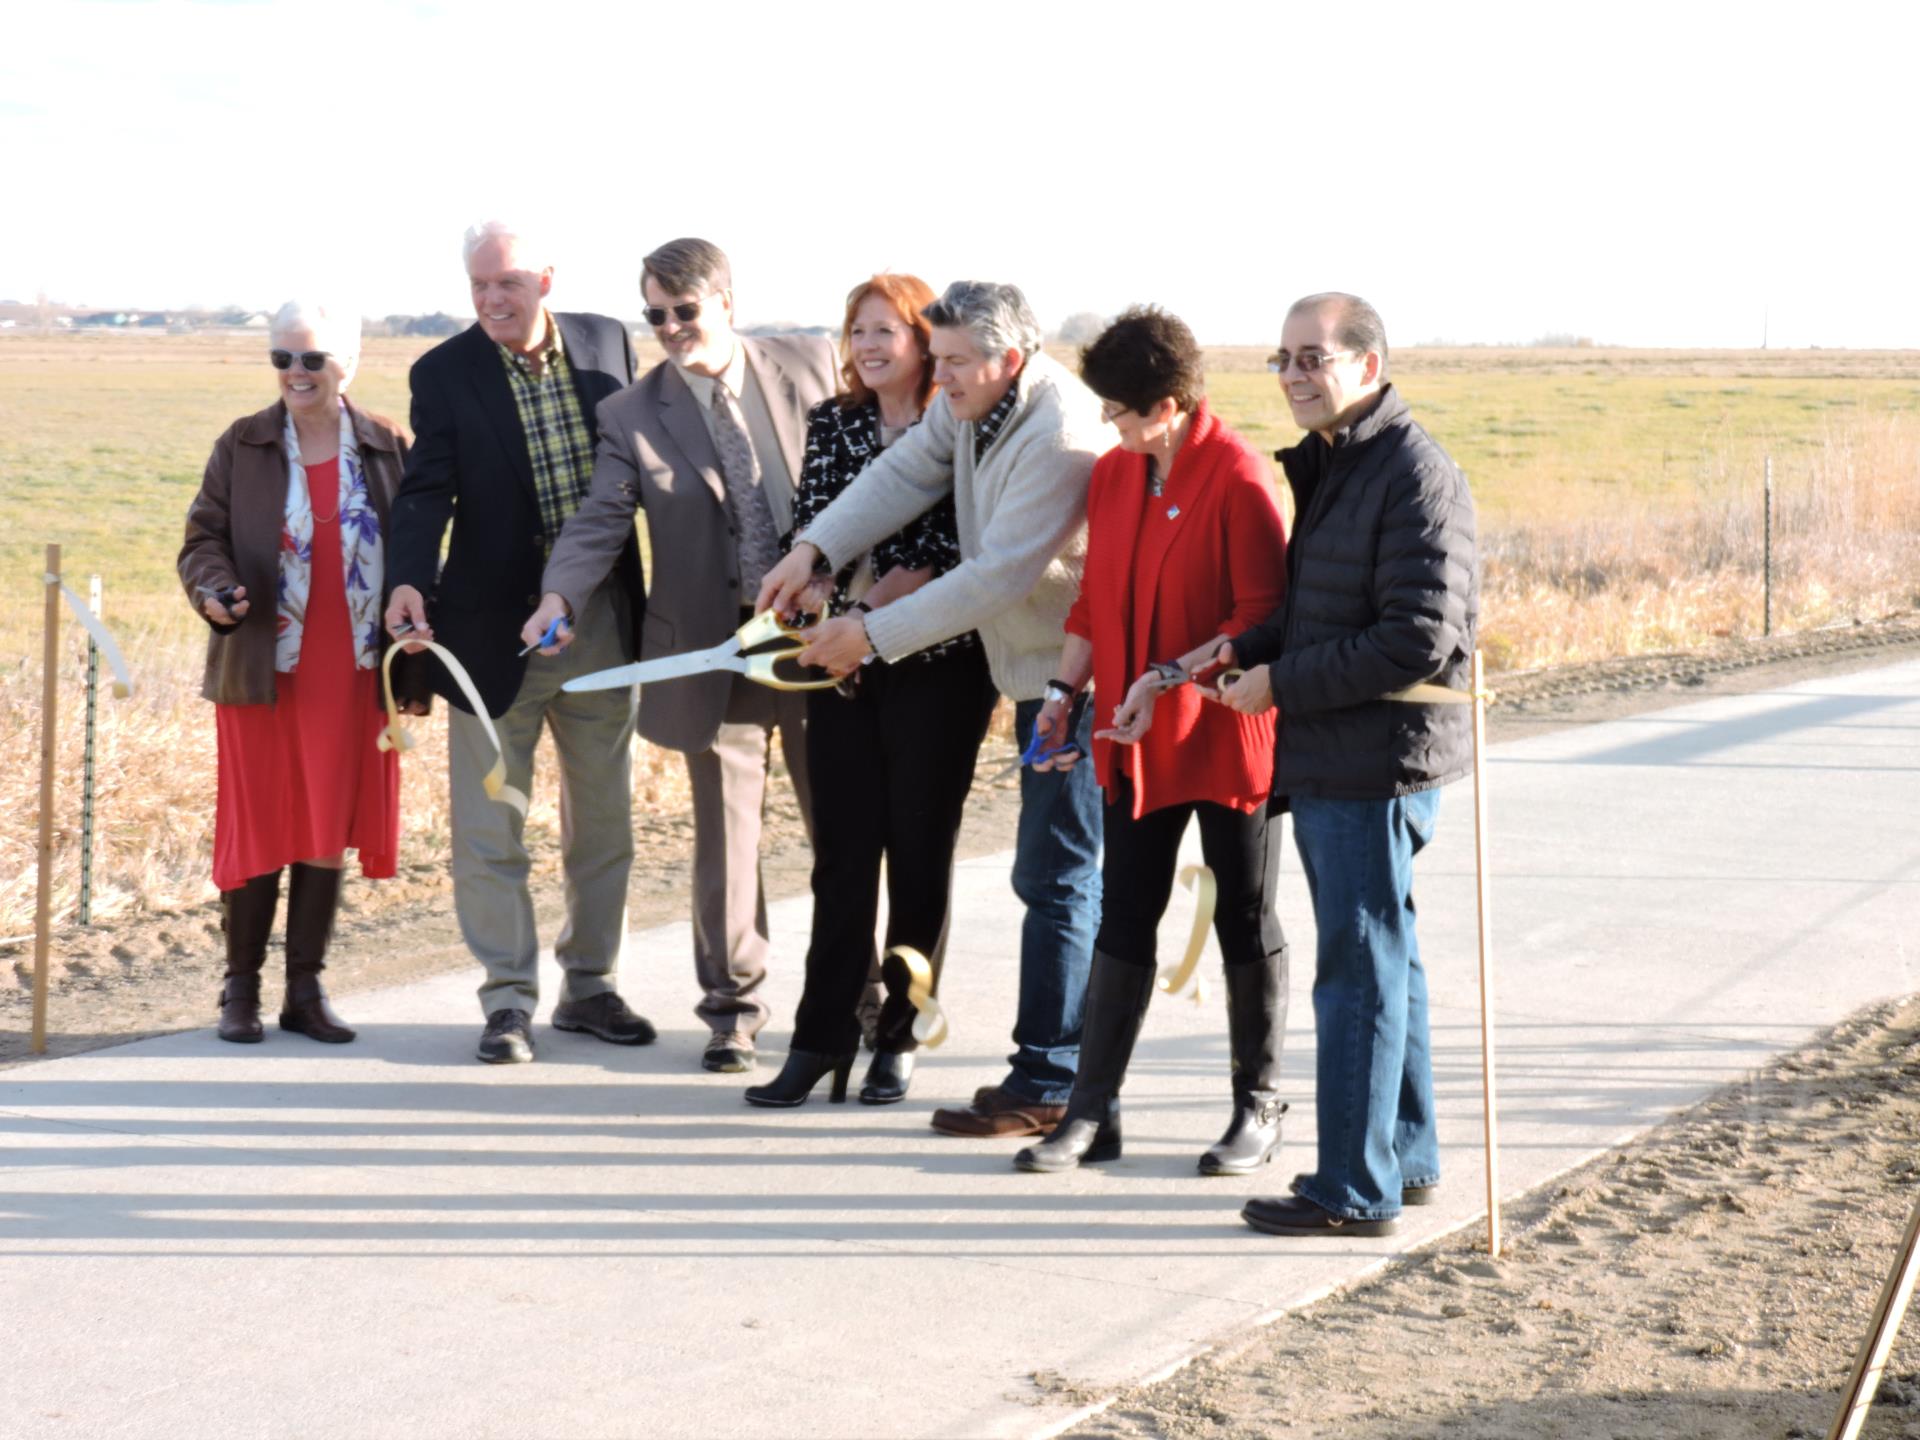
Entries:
{"x":1012,"y":436}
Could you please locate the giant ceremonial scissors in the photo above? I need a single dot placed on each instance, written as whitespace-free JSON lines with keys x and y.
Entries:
{"x":758,"y":650}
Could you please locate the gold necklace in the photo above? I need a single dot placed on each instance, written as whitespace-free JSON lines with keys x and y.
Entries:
{"x":318,"y":518}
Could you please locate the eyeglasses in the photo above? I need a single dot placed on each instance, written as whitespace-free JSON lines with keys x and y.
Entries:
{"x":309,"y":359}
{"x":1113,"y":410}
{"x":686,"y":312}
{"x":1309,"y":362}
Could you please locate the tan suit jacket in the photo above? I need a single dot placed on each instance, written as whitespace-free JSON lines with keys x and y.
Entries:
{"x":655,"y":453}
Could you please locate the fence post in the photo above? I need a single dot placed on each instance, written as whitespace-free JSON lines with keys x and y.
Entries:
{"x":49,"y":742}
{"x":86,"y":769}
{"x":1766,"y":552}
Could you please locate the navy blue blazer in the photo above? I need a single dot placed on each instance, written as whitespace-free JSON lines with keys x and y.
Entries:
{"x":469,"y":468}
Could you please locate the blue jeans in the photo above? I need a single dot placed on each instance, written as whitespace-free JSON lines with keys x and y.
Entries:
{"x":1056,"y":874}
{"x":1374,"y":1076}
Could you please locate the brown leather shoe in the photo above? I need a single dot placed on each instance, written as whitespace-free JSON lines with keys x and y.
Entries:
{"x":996,"y":1112}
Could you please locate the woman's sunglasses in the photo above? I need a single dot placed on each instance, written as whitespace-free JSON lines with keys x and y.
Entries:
{"x":309,"y":359}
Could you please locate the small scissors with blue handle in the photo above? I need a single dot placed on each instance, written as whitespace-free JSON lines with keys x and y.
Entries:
{"x":1036,"y":750}
{"x":548,"y":636}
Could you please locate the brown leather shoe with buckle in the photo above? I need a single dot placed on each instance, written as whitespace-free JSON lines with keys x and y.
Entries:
{"x":996,"y":1112}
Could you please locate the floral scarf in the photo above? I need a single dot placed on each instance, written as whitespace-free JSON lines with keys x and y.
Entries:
{"x":361,"y":558}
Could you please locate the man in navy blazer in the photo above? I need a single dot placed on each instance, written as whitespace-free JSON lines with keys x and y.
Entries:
{"x":504,"y":423}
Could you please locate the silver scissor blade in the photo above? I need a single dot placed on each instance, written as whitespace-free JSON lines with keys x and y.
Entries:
{"x":614,"y":679}
{"x":724,"y":656}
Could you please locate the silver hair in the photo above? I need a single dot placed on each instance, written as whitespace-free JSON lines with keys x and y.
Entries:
{"x":334,"y":329}
{"x":996,"y":316}
{"x":525,"y":251}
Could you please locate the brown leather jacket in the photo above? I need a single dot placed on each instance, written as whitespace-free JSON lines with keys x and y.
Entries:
{"x":233,"y":538}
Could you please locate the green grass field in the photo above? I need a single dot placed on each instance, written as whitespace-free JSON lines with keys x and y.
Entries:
{"x":103,"y":437}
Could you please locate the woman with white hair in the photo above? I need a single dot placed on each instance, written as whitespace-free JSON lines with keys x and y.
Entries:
{"x":284,"y":561}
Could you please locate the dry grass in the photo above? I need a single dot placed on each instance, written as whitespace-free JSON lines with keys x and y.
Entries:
{"x":1648,"y":577}
{"x":1619,"y":493}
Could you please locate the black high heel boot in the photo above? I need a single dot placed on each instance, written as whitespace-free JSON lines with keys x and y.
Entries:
{"x":1256,"y":1025}
{"x":313,"y":895}
{"x":1117,"y":998}
{"x":247,"y":918}
{"x":795,"y":1082}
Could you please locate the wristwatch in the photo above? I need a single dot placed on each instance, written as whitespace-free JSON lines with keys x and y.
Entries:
{"x":1059,"y":692}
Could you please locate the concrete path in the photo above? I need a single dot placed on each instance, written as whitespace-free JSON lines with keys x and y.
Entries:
{"x":391,"y":1240}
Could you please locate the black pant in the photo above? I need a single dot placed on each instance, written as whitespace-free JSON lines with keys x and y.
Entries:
{"x":1143,"y":855}
{"x":891,"y":767}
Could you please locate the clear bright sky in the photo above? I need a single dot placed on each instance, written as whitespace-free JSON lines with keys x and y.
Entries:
{"x":1655,"y":174}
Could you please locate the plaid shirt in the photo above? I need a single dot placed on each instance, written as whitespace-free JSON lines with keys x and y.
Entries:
{"x":558,"y":442}
{"x":987,"y":429}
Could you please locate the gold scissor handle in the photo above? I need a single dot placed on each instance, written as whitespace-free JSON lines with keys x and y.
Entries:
{"x":763,"y":669}
{"x":766,"y":627}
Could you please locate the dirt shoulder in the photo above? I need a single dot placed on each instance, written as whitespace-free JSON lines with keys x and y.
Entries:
{"x":150,"y":973}
{"x":1710,"y":1281}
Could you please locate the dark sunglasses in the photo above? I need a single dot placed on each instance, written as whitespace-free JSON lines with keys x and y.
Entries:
{"x":686,"y":312}
{"x":309,"y":359}
{"x":1307,"y":362}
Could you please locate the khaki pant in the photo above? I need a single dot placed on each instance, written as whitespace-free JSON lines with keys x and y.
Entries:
{"x":592,"y":734}
{"x":729,"y":782}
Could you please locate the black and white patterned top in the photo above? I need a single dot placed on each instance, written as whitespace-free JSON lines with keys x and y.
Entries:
{"x":840,"y":443}
{"x":988,"y":430}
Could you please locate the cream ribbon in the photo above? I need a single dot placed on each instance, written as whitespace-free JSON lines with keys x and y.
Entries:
{"x":1422,"y":694}
{"x":116,"y":662}
{"x":397,"y":737}
{"x":929,"y":1021}
{"x":1199,"y":880}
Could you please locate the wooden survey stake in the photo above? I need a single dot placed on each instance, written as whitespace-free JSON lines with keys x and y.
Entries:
{"x":1857,"y":1399}
{"x":49,"y":743}
{"x":1480,"y":842}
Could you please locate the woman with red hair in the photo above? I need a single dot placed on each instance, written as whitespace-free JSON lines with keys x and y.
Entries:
{"x":891,"y":752}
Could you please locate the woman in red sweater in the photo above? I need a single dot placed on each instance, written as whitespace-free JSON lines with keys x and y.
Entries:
{"x":1185,"y":547}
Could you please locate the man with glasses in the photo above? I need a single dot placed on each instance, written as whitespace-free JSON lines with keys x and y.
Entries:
{"x":1382,"y":594}
{"x":709,"y":443}
{"x":1012,"y":437}
{"x":503,"y":420}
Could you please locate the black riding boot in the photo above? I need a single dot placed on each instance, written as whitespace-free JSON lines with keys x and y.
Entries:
{"x":313,"y":895}
{"x":1256,"y":1026}
{"x":246,"y":915}
{"x":1117,"y":997}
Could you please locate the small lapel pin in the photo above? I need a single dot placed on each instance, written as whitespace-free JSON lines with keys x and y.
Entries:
{"x":1173,"y":512}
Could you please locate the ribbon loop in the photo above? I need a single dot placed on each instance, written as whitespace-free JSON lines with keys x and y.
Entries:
{"x":116,"y":662}
{"x":396,"y":736}
{"x":929,"y":1020}
{"x":1199,"y":880}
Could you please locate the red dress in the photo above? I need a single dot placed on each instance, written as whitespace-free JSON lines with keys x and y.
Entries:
{"x":302,"y":778}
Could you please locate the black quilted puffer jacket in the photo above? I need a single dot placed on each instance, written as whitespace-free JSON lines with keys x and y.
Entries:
{"x":1383,"y":592}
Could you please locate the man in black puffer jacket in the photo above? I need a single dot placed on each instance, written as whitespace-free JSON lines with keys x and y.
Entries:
{"x":1382,"y":594}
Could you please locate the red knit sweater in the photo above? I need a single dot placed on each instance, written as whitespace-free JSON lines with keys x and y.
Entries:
{"x":1163,"y":575}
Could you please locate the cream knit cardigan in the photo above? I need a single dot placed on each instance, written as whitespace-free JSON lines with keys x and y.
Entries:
{"x":1022,"y":515}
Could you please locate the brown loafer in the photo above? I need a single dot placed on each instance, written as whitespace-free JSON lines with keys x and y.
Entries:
{"x":996,"y":1112}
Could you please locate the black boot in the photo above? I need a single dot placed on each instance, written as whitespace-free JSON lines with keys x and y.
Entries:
{"x":313,"y":895}
{"x":246,"y":915}
{"x":887,"y":1077}
{"x":1256,"y":1026}
{"x":803,"y":1070}
{"x":1117,"y":996}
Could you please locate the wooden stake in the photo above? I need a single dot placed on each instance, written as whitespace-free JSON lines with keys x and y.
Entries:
{"x":49,"y":742}
{"x":1872,"y":1359}
{"x":1480,"y":841}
